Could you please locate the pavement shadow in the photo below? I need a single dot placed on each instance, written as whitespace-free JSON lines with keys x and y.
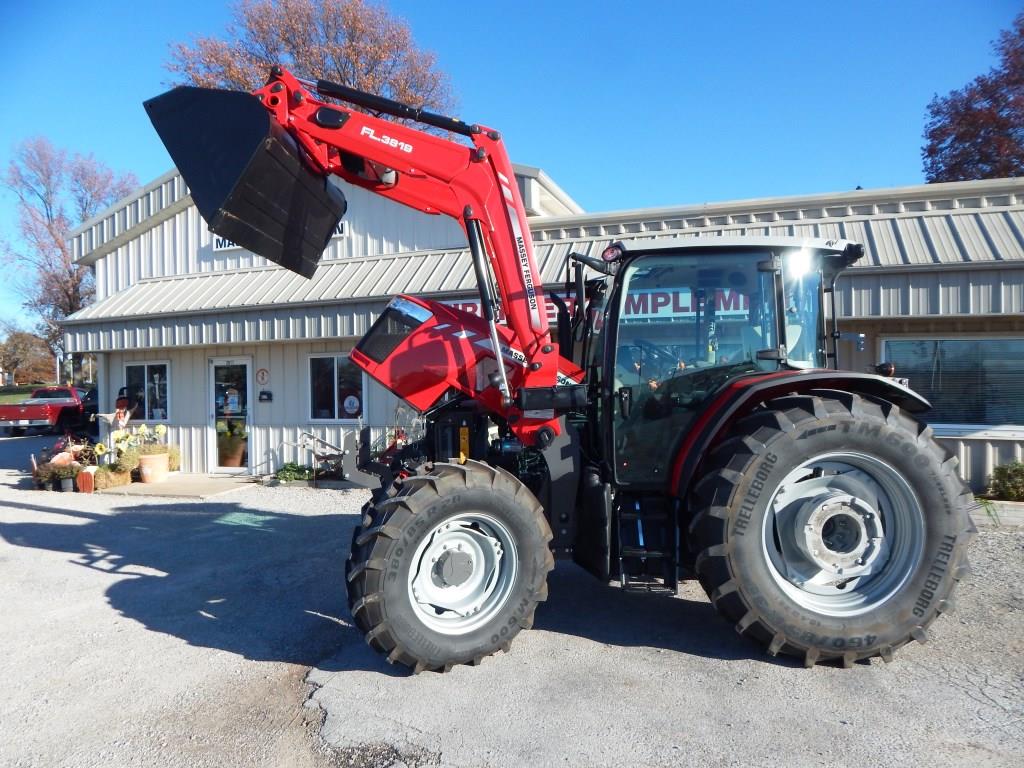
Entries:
{"x":15,"y":459}
{"x":271,"y":586}
{"x":580,"y":605}
{"x":267,"y":586}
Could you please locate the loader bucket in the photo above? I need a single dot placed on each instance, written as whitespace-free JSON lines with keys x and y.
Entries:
{"x":246,"y":175}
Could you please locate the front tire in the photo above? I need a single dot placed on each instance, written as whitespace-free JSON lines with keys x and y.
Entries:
{"x":448,"y":566}
{"x":830,"y":526}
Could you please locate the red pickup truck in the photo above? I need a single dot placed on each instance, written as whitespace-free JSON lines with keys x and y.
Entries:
{"x":55,"y":408}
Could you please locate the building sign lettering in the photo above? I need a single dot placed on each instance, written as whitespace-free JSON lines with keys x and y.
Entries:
{"x":666,"y":304}
{"x":224,"y":244}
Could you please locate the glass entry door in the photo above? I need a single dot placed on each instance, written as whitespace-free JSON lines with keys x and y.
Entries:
{"x":230,"y":397}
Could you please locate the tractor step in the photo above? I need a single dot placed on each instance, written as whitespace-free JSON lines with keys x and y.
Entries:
{"x":647,"y":543}
{"x":653,"y":554}
{"x":651,"y":584}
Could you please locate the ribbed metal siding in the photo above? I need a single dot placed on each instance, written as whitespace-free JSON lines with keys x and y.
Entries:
{"x":150,"y":201}
{"x":285,"y":324}
{"x":978,"y":457}
{"x":182,"y":244}
{"x":269,"y":447}
{"x":934,"y":292}
{"x":890,"y":241}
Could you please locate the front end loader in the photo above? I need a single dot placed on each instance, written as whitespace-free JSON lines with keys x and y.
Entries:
{"x":686,"y":416}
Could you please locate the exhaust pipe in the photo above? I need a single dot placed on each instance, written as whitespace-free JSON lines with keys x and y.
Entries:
{"x":247,"y":176}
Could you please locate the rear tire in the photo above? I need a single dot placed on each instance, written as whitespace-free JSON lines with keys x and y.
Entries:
{"x":831,"y":526}
{"x":448,"y":565}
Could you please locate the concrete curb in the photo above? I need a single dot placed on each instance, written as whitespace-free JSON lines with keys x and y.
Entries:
{"x":998,"y":514}
{"x":332,"y":485}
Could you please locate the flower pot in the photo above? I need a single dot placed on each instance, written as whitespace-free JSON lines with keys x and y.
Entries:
{"x":53,"y":485}
{"x":67,"y":484}
{"x":153,"y":467}
{"x":231,"y":451}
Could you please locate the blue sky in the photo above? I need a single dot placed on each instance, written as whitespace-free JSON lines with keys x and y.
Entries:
{"x":625,"y":105}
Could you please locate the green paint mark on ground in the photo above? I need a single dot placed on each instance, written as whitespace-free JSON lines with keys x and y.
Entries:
{"x":244,"y":519}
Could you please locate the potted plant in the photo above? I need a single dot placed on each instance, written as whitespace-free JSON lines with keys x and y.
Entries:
{"x":66,"y":476}
{"x":44,"y":476}
{"x":144,"y":449}
{"x":232,"y":441}
{"x":154,"y":457}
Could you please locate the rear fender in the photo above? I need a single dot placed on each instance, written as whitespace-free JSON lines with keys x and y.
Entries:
{"x":744,"y":394}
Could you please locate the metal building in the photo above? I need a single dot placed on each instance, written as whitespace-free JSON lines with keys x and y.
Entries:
{"x":195,"y":324}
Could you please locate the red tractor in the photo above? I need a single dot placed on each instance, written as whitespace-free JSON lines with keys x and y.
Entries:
{"x":683,"y":417}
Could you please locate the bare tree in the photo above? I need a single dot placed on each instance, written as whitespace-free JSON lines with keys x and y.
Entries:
{"x":55,"y":192}
{"x":350,"y":41}
{"x":977,"y":132}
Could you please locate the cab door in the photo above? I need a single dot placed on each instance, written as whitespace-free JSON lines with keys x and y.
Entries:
{"x":685,"y":325}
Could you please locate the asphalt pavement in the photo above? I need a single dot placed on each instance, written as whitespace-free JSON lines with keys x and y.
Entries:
{"x":163,"y":632}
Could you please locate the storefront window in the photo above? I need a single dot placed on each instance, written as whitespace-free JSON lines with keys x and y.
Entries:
{"x":335,"y":389}
{"x":148,"y":390}
{"x":967,"y":381}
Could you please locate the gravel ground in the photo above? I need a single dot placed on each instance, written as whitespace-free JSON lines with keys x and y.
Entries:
{"x":178,"y":633}
{"x":614,"y":679}
{"x":157,"y":632}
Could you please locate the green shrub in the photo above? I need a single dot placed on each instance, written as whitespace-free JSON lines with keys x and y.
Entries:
{"x":292,"y":471}
{"x":44,"y":472}
{"x":1007,"y":483}
{"x":68,"y":472}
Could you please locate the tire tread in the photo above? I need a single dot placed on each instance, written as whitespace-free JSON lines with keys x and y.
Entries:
{"x":384,"y":519}
{"x":713,"y":497}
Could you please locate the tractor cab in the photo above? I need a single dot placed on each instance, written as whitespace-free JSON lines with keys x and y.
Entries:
{"x":682,"y":320}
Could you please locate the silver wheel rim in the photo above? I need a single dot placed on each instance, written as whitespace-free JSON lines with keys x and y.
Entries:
{"x":843,"y":533}
{"x":462,"y":573}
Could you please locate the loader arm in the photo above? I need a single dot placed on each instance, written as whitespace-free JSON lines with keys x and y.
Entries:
{"x":475,"y":185}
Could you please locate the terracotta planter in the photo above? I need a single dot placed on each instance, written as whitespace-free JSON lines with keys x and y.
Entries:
{"x":231,"y":451}
{"x":153,"y":467}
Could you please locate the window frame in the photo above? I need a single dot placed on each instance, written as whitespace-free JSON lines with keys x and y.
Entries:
{"x":308,"y":404}
{"x":952,"y":429}
{"x":145,"y":408}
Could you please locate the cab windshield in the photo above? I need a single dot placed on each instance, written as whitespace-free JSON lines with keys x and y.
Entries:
{"x":686,"y":313}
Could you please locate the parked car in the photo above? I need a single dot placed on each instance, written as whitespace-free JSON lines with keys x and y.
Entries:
{"x":53,"y":408}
